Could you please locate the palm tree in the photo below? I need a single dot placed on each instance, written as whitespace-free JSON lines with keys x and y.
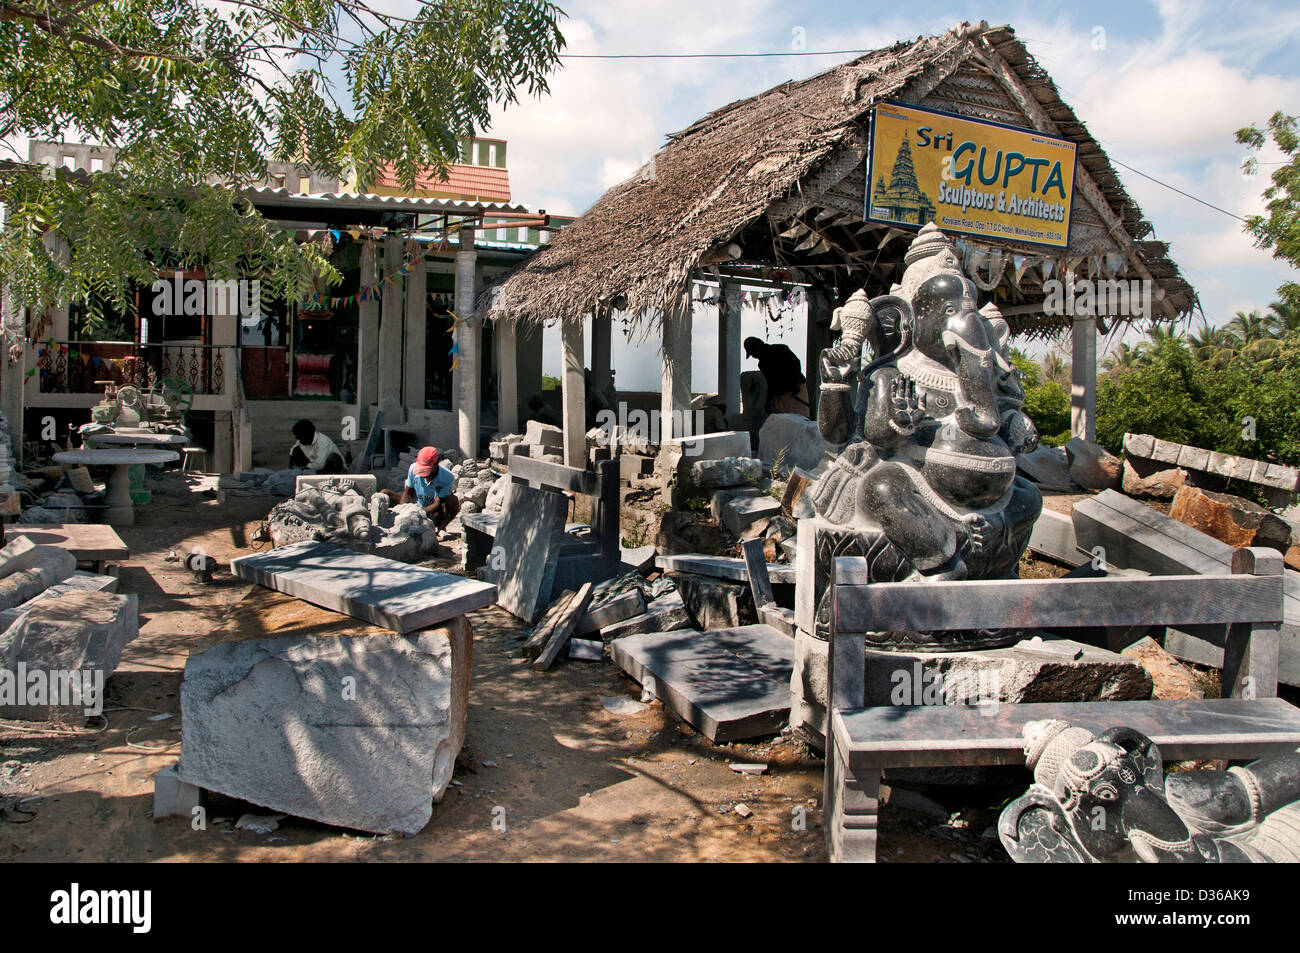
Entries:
{"x":1283,"y":319}
{"x":1210,"y":345}
{"x":1247,"y":328}
{"x":1055,"y":368}
{"x":1122,"y":358}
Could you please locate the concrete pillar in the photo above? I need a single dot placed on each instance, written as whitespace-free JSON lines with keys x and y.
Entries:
{"x":390,"y":332}
{"x":818,"y":338}
{"x":223,"y":443}
{"x":676,"y":370}
{"x":573,"y":395}
{"x":528,"y":364}
{"x":12,"y":373}
{"x":417,"y":327}
{"x":602,"y":345}
{"x":367,"y":339}
{"x":729,"y":346}
{"x":465,"y":377}
{"x":1083,"y":378}
{"x":507,"y":378}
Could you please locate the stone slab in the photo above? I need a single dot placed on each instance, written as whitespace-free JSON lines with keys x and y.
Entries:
{"x":17,"y":555}
{"x":1053,"y":536}
{"x":552,"y":634}
{"x":365,"y":484}
{"x":665,"y":614}
{"x":712,"y":446}
{"x":53,"y":566}
{"x":82,"y":632}
{"x":1136,"y":536}
{"x":172,"y":797}
{"x":381,"y":591}
{"x":730,"y":684}
{"x":724,"y":567}
{"x":529,"y":535}
{"x":88,"y":542}
{"x":272,"y":722}
{"x":78,"y":582}
{"x":715,"y":603}
{"x":624,"y":605}
{"x":588,"y":650}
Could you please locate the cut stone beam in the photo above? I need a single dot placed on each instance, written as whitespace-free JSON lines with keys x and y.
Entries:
{"x":381,"y":591}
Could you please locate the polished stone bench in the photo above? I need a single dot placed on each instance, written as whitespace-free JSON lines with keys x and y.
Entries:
{"x":865,"y":742}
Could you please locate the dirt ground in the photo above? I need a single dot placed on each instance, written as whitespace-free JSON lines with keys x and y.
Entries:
{"x":567,"y":778}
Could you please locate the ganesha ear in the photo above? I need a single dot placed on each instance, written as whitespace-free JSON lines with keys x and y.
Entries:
{"x":1034,"y":830}
{"x":1143,"y":751}
{"x":897,"y":309}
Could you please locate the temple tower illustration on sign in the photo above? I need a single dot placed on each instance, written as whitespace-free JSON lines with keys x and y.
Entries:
{"x":902,"y":200}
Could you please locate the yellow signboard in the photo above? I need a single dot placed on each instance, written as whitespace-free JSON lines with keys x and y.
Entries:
{"x":969,"y":176}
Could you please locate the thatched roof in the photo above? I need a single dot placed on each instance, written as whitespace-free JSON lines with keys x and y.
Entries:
{"x":782,"y":174}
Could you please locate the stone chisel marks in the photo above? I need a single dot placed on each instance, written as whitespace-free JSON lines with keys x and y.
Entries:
{"x":380,"y":591}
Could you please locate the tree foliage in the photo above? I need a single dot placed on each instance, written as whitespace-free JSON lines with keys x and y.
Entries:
{"x":1046,"y":402}
{"x":196,"y":97}
{"x":1279,"y":230}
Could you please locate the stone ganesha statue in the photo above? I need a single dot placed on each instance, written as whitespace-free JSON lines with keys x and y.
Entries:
{"x":1106,"y":799}
{"x":931,"y":424}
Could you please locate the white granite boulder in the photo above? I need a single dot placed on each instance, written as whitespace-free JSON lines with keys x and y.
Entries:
{"x":361,"y":732}
{"x":80,"y":632}
{"x":727,"y":472}
{"x":798,"y":436}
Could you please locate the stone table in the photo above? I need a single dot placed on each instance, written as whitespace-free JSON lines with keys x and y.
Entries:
{"x":120,"y":511}
{"x":134,"y":438}
{"x":88,"y":542}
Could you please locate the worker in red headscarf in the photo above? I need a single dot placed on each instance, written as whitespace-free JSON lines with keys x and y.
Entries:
{"x":430,"y":485}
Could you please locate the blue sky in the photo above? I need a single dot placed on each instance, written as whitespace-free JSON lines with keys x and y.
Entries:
{"x":1162,"y":86}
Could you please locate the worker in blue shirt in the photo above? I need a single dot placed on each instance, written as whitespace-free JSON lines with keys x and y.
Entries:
{"x":430,"y":485}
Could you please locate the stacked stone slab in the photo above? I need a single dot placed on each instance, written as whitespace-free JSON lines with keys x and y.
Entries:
{"x":1148,"y":455}
{"x":795,"y":439}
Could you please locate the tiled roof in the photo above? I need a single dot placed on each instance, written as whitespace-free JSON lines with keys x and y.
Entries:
{"x":483,"y":183}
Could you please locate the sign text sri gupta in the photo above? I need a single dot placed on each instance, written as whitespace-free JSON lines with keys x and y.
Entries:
{"x":969,"y":176}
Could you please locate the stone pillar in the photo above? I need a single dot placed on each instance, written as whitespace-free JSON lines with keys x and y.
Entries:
{"x":676,"y":369}
{"x":223,"y":442}
{"x":729,"y":346}
{"x":465,"y":377}
{"x":507,"y":378}
{"x":417,"y":327}
{"x":1083,"y":378}
{"x":573,"y":395}
{"x":818,"y":338}
{"x":602,"y":345}
{"x":528,"y":363}
{"x":390,"y":332}
{"x":367,"y":339}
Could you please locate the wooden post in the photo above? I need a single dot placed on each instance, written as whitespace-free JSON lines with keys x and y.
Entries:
{"x":602,"y":326}
{"x":818,"y":337}
{"x":573,"y":396}
{"x":12,"y":377}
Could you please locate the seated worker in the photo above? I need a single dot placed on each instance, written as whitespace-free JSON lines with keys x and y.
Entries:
{"x":314,"y":450}
{"x":430,"y":485}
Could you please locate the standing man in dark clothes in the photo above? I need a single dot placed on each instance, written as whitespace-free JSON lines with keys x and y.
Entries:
{"x":786,"y":390}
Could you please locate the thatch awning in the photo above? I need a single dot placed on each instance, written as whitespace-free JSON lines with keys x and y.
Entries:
{"x":782,"y":174}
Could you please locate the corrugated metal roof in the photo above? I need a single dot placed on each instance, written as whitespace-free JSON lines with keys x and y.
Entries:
{"x":367,"y":200}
